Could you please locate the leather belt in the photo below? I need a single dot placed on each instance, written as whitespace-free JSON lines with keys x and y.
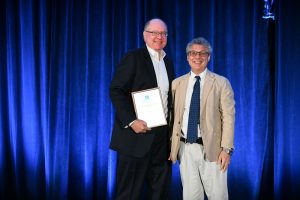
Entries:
{"x":199,"y":140}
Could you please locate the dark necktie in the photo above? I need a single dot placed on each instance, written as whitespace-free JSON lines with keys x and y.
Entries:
{"x":192,"y":131}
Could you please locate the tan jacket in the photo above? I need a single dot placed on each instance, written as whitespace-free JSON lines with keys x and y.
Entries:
{"x":217,"y":114}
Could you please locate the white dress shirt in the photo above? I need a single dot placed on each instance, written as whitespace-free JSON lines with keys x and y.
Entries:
{"x":161,"y":75}
{"x":188,"y":97}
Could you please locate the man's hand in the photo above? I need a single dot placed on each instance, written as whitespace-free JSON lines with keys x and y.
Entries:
{"x":139,"y":126}
{"x":224,"y":160}
{"x":170,"y":157}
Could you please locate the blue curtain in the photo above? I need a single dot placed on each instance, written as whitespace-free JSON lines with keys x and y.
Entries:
{"x":57,"y":59}
{"x":287,"y":97}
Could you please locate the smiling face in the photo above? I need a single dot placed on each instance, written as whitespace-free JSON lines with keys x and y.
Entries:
{"x":155,"y":35}
{"x":198,"y":58}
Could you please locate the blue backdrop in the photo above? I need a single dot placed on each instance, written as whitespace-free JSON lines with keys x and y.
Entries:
{"x":57,"y":59}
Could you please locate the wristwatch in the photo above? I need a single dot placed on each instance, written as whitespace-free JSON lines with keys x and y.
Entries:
{"x":229,"y":151}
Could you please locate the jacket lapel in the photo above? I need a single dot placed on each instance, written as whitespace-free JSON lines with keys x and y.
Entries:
{"x":209,"y":80}
{"x":149,"y":67}
{"x":183,"y":88}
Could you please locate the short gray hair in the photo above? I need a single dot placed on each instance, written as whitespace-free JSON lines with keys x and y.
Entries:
{"x":200,"y":41}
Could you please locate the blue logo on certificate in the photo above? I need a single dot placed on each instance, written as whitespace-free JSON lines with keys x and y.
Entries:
{"x":147,"y":98}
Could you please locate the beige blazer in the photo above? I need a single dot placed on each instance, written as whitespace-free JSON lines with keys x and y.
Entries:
{"x":217,"y":114}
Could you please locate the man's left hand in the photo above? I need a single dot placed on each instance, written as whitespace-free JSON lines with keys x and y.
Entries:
{"x":223,"y":161}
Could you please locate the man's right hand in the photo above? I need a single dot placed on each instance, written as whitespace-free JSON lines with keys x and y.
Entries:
{"x":139,"y":126}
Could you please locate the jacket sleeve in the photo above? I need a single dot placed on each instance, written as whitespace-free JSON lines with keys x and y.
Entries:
{"x":121,"y":88}
{"x":227,"y":108}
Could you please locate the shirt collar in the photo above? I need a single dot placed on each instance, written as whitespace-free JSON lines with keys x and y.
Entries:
{"x":202,"y":74}
{"x":155,"y":54}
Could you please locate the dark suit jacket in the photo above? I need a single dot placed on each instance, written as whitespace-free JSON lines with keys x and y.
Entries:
{"x":135,"y":72}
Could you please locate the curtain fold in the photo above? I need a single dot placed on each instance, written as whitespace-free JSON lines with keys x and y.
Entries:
{"x":57,"y":59}
{"x":287,"y":109}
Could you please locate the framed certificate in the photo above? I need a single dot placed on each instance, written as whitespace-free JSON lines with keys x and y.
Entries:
{"x":149,"y":107}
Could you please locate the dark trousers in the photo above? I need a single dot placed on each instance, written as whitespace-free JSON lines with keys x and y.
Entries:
{"x":154,"y":170}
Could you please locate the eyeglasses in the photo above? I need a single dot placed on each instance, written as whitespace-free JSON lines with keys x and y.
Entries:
{"x":155,"y":34}
{"x":200,"y":53}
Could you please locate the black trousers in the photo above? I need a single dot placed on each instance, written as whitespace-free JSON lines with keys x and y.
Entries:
{"x":154,"y":170}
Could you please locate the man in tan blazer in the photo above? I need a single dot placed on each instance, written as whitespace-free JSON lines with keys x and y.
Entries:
{"x":203,"y":163}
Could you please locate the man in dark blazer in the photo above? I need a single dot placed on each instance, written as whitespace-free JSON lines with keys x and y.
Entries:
{"x":142,"y":152}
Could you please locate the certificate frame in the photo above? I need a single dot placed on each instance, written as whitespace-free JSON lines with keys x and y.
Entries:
{"x":148,"y":107}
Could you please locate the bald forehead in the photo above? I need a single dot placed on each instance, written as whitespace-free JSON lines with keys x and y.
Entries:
{"x":155,"y":22}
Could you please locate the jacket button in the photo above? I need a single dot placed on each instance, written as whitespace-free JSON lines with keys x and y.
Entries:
{"x":178,"y":122}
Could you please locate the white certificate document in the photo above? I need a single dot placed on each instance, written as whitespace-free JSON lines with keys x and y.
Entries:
{"x":149,"y":107}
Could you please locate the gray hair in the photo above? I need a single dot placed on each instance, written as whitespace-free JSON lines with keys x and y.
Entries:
{"x":200,"y":41}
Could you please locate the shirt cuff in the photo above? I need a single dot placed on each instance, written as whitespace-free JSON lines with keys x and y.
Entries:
{"x":127,"y":126}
